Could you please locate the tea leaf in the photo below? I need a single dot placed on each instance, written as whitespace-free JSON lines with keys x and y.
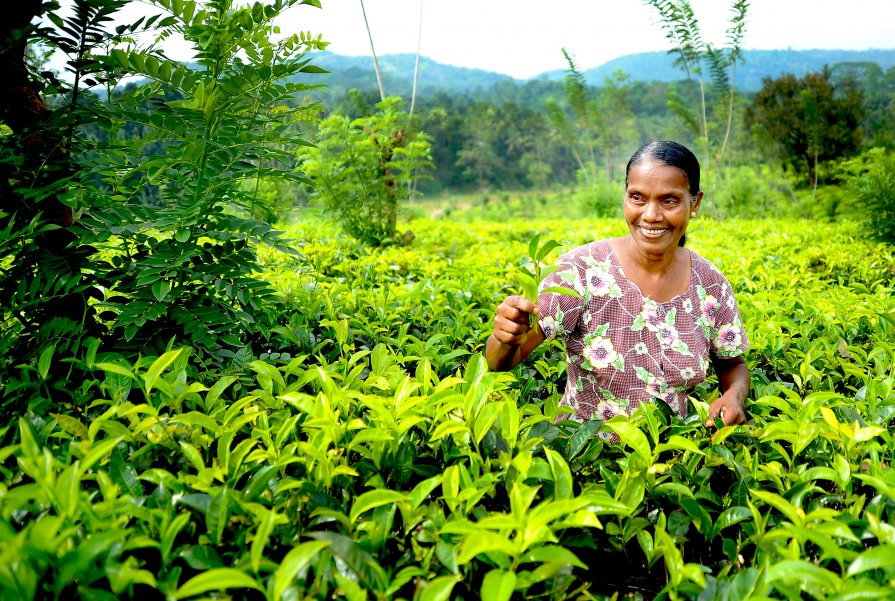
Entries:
{"x":562,"y":290}
{"x":293,"y":563}
{"x":71,"y":425}
{"x":124,"y":474}
{"x":633,"y":437}
{"x":158,"y":366}
{"x":679,"y":443}
{"x":217,"y":514}
{"x":804,"y":573}
{"x":356,"y":558}
{"x":545,"y":250}
{"x":439,"y":589}
{"x":552,"y":554}
{"x":498,"y":585}
{"x":879,"y":557}
{"x":731,"y":516}
{"x":562,"y":476}
{"x":484,"y":542}
{"x":793,"y":514}
{"x":218,"y":579}
{"x":372,"y":499}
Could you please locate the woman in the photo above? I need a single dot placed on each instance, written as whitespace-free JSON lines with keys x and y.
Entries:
{"x":652,"y":314}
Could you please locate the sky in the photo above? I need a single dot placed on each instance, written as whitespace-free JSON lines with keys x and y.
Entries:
{"x":524,"y":38}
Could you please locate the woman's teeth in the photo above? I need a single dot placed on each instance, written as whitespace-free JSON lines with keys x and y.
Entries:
{"x":650,"y":232}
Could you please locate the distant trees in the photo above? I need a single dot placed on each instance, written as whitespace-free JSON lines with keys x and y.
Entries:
{"x":878,"y":91}
{"x":807,"y":120}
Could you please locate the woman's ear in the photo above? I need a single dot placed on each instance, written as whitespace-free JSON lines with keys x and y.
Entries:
{"x":694,"y":207}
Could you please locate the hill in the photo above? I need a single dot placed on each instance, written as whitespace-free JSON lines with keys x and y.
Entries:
{"x":357,"y":71}
{"x":397,"y":74}
{"x":659,"y":66}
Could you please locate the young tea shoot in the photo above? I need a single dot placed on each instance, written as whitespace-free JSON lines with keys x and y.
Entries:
{"x":533,"y":271}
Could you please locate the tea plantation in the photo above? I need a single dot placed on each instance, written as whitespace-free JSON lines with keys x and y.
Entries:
{"x":369,"y":453}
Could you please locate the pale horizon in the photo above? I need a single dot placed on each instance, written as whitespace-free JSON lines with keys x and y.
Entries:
{"x":522,"y":39}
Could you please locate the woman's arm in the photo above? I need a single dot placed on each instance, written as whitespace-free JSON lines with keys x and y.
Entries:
{"x":733,"y":378}
{"x":512,"y":339}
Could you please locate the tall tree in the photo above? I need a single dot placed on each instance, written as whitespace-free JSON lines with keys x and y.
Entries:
{"x":696,"y":56}
{"x":807,"y":120}
{"x":63,"y":295}
{"x":582,"y":129}
{"x":614,"y":104}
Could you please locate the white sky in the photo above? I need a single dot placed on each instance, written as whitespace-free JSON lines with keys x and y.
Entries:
{"x":523,"y":38}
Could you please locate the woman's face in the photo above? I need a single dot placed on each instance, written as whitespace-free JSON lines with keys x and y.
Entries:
{"x":658,"y":204}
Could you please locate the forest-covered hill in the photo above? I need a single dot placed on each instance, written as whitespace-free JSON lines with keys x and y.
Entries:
{"x":357,"y":71}
{"x":659,"y":66}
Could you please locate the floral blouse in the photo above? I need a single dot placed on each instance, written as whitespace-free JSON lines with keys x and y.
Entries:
{"x":624,"y":349}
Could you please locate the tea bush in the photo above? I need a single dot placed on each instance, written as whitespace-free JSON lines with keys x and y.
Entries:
{"x":369,"y":454}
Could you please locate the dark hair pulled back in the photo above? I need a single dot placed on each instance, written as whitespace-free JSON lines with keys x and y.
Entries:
{"x":670,"y":153}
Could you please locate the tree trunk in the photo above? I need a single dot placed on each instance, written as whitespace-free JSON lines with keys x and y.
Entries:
{"x":49,"y":260}
{"x":23,"y":112}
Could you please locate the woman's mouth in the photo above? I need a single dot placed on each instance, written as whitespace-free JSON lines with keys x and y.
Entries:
{"x":652,"y":232}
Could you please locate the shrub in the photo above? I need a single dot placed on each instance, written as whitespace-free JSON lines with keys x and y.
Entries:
{"x":119,"y":276}
{"x":597,"y":195}
{"x":361,"y":169}
{"x":871,"y":181}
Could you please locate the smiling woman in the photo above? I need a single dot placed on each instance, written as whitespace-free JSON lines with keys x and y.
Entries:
{"x":649,"y":316}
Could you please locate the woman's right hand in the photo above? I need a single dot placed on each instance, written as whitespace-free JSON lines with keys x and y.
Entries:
{"x":512,"y":324}
{"x":513,"y":339}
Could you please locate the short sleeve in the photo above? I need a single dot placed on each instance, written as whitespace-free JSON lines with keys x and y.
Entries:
{"x":728,"y":337}
{"x":560,"y":312}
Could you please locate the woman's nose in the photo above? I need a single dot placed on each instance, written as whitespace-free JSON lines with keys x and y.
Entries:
{"x":651,"y":211}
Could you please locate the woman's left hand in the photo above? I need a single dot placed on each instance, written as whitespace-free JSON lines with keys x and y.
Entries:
{"x":729,"y":409}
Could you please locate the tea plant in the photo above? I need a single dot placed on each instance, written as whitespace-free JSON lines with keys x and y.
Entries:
{"x":372,"y":455}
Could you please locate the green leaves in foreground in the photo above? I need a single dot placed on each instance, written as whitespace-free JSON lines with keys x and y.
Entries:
{"x":376,"y":461}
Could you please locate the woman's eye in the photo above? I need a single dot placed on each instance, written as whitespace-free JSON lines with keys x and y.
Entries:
{"x":671,"y":202}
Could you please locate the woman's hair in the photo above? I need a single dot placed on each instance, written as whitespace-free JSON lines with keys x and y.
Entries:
{"x":669,"y":153}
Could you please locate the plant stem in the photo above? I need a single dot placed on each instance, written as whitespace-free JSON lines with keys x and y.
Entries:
{"x":373,"y":50}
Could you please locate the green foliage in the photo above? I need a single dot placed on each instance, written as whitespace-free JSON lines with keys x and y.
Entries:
{"x":593,"y":119}
{"x":581,"y":132}
{"x":361,"y":169}
{"x":877,"y":86}
{"x":380,"y":459}
{"x":807,"y":120}
{"x":45,"y":279}
{"x":599,"y":197}
{"x":150,"y":450}
{"x":870,"y":181}
{"x":135,"y":278}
